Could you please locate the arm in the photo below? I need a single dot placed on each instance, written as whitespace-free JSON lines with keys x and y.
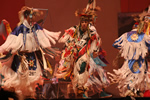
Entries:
{"x":67,"y":35}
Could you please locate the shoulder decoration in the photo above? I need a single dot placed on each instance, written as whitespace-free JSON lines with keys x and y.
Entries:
{"x":134,"y":37}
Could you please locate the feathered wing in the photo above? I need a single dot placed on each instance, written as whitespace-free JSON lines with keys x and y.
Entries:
{"x":4,"y":29}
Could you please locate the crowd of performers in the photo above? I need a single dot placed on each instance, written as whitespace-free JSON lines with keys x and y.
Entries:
{"x":25,"y":66}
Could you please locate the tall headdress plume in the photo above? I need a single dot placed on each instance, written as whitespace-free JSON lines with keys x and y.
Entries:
{"x":142,"y":24}
{"x":89,"y":11}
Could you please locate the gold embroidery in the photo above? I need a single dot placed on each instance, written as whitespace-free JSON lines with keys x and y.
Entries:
{"x":135,"y":66}
{"x":134,"y":37}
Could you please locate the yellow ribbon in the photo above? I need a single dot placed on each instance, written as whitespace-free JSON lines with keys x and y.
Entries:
{"x":67,"y":75}
{"x":49,"y":66}
{"x":44,"y":60}
{"x":8,"y":28}
{"x":147,"y":30}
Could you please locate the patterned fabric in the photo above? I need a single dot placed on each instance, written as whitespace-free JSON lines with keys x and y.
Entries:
{"x":81,"y":63}
{"x":23,"y":65}
{"x":132,"y":76}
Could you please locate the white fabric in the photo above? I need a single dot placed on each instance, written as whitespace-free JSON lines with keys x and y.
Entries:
{"x":22,"y":81}
{"x":124,"y":76}
{"x":80,"y":79}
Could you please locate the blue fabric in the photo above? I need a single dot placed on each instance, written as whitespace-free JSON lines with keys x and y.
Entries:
{"x":98,"y":61}
{"x":15,"y":63}
{"x":129,"y":34}
{"x":116,"y":46}
{"x":31,"y":58}
{"x":131,"y":63}
{"x":22,"y":28}
{"x":140,"y":36}
{"x":148,"y":45}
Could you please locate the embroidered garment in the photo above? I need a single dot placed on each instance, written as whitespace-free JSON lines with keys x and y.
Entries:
{"x":132,"y":76}
{"x":81,"y":64}
{"x":22,"y":66}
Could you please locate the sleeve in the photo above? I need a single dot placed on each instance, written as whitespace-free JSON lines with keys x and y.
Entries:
{"x":94,"y":42}
{"x":68,"y":33}
{"x":119,"y":42}
{"x":13,"y":41}
{"x":147,"y":42}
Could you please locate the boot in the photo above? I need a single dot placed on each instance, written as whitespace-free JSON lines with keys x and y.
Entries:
{"x":84,"y":96}
{"x":103,"y":94}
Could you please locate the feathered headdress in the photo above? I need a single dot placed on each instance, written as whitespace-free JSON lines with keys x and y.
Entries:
{"x":89,"y":11}
{"x":5,"y":29}
{"x":32,"y":11}
{"x":145,"y":13}
{"x":142,"y":24}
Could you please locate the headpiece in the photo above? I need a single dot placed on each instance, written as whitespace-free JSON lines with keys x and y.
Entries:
{"x":27,"y":11}
{"x":5,"y":29}
{"x":89,"y":12}
{"x":143,"y":26}
{"x":146,"y":12}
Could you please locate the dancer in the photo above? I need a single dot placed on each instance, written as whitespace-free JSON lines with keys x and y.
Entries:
{"x":76,"y":57}
{"x":97,"y":81}
{"x":80,"y":58}
{"x":24,"y":51}
{"x":134,"y":45}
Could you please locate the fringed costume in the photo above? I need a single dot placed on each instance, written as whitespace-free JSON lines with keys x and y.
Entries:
{"x":97,"y":80}
{"x":25,"y":47}
{"x":83,"y":44}
{"x":78,"y":62}
{"x":132,"y":76}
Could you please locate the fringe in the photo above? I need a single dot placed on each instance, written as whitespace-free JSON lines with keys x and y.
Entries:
{"x":15,"y":43}
{"x":132,"y":50}
{"x":125,"y":77}
{"x":21,"y":81}
{"x":79,"y":80}
{"x":101,"y":82}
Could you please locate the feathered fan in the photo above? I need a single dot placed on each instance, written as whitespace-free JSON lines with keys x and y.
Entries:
{"x":4,"y":29}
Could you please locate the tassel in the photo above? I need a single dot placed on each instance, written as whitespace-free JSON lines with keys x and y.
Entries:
{"x":49,"y":66}
{"x":148,"y":28}
{"x":140,"y":27}
{"x":44,"y":60}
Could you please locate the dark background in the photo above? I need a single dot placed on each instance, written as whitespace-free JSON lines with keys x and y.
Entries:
{"x":61,"y":16}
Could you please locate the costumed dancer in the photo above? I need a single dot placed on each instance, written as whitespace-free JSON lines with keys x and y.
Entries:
{"x":75,"y":63}
{"x":133,"y":47}
{"x":75,"y":57}
{"x":25,"y":49}
{"x":146,"y":29}
{"x":97,"y":80}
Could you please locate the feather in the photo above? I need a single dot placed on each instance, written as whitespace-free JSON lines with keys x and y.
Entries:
{"x":4,"y":29}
